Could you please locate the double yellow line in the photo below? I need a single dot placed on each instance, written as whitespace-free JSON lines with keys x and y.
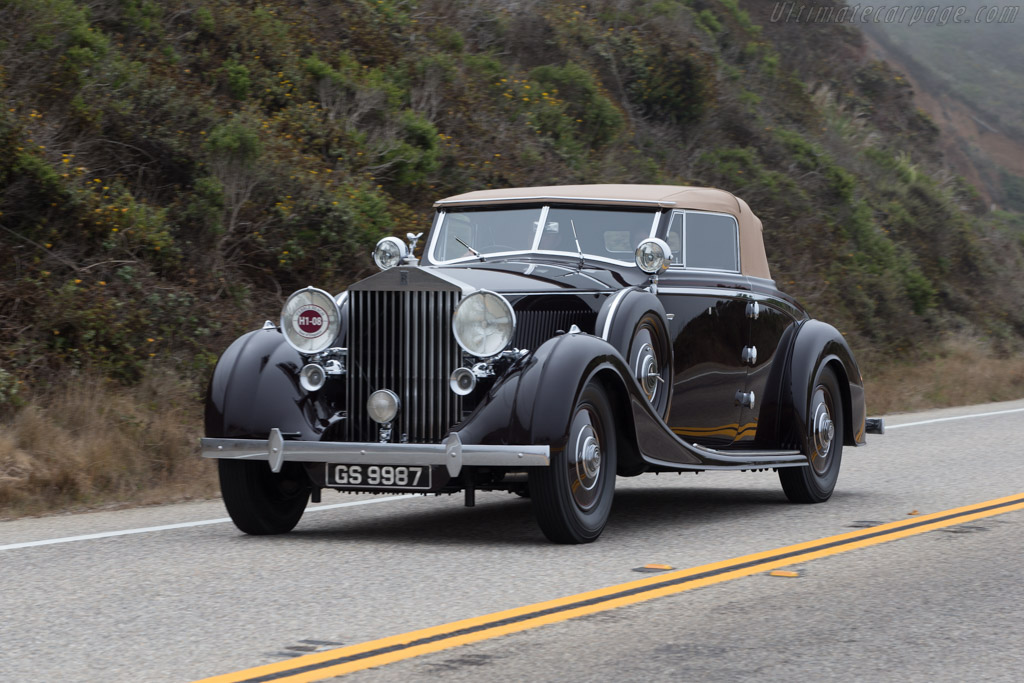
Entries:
{"x":321,"y":665}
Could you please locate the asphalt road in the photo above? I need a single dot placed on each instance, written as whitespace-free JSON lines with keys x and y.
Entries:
{"x":201,"y":599}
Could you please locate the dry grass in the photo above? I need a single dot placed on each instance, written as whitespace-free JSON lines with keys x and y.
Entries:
{"x":94,"y":443}
{"x":962,"y":371}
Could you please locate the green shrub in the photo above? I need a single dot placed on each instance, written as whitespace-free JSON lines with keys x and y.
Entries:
{"x":237,"y":78}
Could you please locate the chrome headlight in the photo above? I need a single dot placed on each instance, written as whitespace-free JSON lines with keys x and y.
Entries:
{"x":653,"y":255}
{"x":389,"y":252}
{"x":483,"y":324}
{"x":310,"y":320}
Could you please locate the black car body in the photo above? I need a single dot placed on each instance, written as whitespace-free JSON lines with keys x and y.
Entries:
{"x":548,"y":340}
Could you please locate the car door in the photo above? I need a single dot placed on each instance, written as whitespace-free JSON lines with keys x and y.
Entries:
{"x":702,"y":293}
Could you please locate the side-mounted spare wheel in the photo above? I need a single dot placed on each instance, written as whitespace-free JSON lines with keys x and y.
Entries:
{"x":650,"y":361}
{"x":261,"y":502}
{"x":572,"y":498}
{"x":823,"y":444}
{"x":634,"y":322}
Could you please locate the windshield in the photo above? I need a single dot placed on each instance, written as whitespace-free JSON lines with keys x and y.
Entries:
{"x":603,"y":233}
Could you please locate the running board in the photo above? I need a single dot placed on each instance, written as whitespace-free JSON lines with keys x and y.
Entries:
{"x":761,"y":458}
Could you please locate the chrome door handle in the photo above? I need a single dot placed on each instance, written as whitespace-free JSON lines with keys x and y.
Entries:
{"x":749,"y":355}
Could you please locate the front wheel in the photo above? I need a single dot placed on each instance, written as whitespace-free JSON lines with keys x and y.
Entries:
{"x":572,"y":497}
{"x":261,"y":502}
{"x":815,"y":482}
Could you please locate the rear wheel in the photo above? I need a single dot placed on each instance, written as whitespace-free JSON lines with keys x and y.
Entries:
{"x":572,"y":498}
{"x":815,"y":482}
{"x":262,"y":502}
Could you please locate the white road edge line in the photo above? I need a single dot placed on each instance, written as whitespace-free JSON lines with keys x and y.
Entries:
{"x":955,"y":417}
{"x":222,"y":520}
{"x":186,"y":525}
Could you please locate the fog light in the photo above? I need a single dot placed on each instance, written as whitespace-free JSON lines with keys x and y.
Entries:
{"x":382,"y":406}
{"x":312,"y":377}
{"x":462,"y":381}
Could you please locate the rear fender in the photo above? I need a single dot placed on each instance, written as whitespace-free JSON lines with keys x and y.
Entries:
{"x":816,"y":346}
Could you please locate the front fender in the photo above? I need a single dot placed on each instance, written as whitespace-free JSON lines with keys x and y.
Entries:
{"x":816,"y":346}
{"x":533,"y":401}
{"x":255,"y":387}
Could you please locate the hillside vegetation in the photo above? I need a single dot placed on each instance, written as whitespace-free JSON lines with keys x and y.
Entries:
{"x":170,"y":171}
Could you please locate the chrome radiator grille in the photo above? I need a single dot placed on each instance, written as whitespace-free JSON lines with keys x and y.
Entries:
{"x":402,"y":341}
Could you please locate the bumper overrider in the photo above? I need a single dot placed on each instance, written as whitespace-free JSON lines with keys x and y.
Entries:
{"x":451,"y":453}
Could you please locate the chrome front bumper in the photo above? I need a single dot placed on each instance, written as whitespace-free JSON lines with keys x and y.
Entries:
{"x":451,"y":453}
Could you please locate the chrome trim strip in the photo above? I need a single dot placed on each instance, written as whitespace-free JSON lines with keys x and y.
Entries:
{"x":751,"y":456}
{"x":541,"y":222}
{"x":611,"y":311}
{"x":746,"y":465}
{"x":715,"y":291}
{"x":575,"y":292}
{"x":596,"y":201}
{"x":342,"y":453}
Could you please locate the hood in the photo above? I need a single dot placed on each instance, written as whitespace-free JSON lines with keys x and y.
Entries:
{"x":525,"y":277}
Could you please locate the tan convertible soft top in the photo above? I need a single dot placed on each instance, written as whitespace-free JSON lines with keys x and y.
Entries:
{"x":753,"y":261}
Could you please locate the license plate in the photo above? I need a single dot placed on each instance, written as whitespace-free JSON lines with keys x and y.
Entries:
{"x":413,"y":477}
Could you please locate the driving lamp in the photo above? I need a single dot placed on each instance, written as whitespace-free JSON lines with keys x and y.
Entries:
{"x":389,"y":252}
{"x":310,"y":320}
{"x":653,"y":255}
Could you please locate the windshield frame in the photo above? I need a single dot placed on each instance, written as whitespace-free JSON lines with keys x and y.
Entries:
{"x":535,"y":249}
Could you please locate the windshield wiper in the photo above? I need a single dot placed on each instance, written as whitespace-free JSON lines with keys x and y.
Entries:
{"x":471,"y":249}
{"x":579,"y":249}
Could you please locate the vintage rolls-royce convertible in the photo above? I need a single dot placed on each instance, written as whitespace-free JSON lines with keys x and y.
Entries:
{"x":548,"y":340}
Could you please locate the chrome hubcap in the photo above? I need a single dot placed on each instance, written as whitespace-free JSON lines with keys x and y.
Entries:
{"x":823,"y":429}
{"x":585,"y":461}
{"x":647,"y":371}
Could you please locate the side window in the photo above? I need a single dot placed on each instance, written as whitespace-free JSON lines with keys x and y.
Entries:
{"x":709,"y":241}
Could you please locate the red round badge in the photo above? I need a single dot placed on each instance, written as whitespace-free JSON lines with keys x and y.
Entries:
{"x":311,"y":321}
